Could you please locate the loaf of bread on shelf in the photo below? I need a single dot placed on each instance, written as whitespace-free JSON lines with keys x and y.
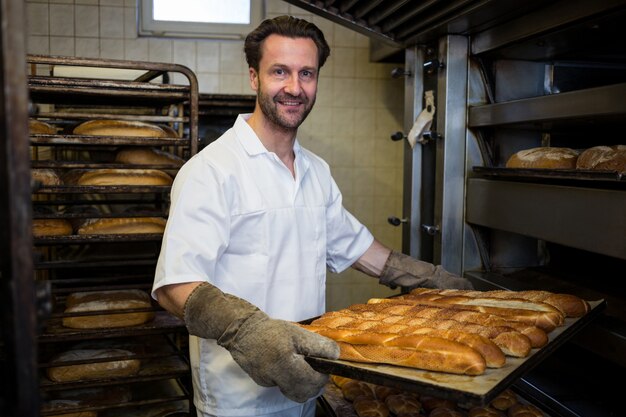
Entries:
{"x":121,"y":364}
{"x":107,"y":302}
{"x":141,"y":155}
{"x":403,"y":403}
{"x":128,"y":128}
{"x":51,"y":227}
{"x":39,"y":127}
{"x":118,"y":177}
{"x":603,"y":158}
{"x":122,"y":226}
{"x":505,"y":400}
{"x":353,"y":389}
{"x":45,"y":176}
{"x":545,"y":157}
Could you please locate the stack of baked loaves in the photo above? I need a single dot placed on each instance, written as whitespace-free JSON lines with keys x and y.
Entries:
{"x":453,"y":331}
{"x":372,"y":400}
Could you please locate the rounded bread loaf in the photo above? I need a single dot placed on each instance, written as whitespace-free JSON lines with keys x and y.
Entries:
{"x":120,"y":128}
{"x":603,"y":158}
{"x":339,"y":380}
{"x":484,"y":412}
{"x":119,"y":365}
{"x":51,"y":227}
{"x":38,"y":127}
{"x":370,"y":407}
{"x":381,"y":392}
{"x":524,"y":410}
{"x":122,"y":226}
{"x":107,"y":302}
{"x":45,"y":176}
{"x":504,"y":400}
{"x":544,"y":157}
{"x":403,"y":403}
{"x":445,"y":412}
{"x":141,"y":155}
{"x":353,"y":389}
{"x":430,"y":403}
{"x":117,"y":177}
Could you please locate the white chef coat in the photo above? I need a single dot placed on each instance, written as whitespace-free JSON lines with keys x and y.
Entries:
{"x":240,"y":220}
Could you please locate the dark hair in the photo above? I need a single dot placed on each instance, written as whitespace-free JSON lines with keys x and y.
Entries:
{"x":288,"y":26}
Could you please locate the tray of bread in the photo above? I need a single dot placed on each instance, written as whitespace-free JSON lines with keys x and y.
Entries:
{"x":465,"y":346}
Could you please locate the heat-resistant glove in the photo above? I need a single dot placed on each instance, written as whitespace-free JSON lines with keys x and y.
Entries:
{"x":270,"y":351}
{"x":401,"y":270}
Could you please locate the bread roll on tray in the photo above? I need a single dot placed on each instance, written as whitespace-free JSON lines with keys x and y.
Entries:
{"x":544,"y":157}
{"x":107,"y":302}
{"x":38,"y":127}
{"x":117,"y":367}
{"x":51,"y":227}
{"x":403,"y":403}
{"x":121,"y":128}
{"x":370,"y":407}
{"x":45,"y":176}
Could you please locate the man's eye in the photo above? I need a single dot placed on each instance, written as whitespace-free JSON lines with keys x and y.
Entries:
{"x":279,"y":71}
{"x":307,"y":74}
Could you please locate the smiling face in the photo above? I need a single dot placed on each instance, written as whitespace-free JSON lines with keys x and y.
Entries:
{"x":286,"y":83}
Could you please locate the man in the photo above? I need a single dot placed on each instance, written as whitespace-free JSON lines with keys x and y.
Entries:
{"x":254,"y":222}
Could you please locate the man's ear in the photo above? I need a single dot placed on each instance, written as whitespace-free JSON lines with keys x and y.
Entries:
{"x":254,"y":78}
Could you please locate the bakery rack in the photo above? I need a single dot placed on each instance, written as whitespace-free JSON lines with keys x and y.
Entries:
{"x":64,"y":92}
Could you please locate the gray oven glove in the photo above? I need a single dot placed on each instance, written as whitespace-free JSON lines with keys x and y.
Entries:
{"x":401,"y":270}
{"x":270,"y":351}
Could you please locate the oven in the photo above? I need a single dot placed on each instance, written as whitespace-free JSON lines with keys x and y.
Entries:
{"x":506,"y":76}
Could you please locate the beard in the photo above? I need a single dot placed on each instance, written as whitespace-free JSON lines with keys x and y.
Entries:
{"x":286,"y":119}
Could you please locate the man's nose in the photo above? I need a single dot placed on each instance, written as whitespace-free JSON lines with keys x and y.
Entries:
{"x":293,"y":86}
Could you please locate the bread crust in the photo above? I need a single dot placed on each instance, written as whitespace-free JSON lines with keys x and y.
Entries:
{"x":544,"y":157}
{"x":117,"y":177}
{"x":120,"y":128}
{"x":45,"y":176}
{"x":122,"y":226}
{"x":147,"y":156}
{"x":95,"y":370}
{"x":38,"y":127}
{"x":603,"y":158}
{"x":107,"y":302}
{"x":51,"y":227}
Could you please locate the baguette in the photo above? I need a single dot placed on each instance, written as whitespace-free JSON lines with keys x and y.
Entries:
{"x":120,"y":128}
{"x":425,"y":352}
{"x":494,"y":357}
{"x":570,"y":305}
{"x":438,"y":355}
{"x":51,"y":227}
{"x":122,"y":226}
{"x":545,"y":320}
{"x":147,"y":156}
{"x":511,"y":342}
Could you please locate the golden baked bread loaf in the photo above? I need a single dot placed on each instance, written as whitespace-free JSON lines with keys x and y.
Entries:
{"x":147,"y":156}
{"x":430,"y":403}
{"x":120,"y":128}
{"x":570,"y":305}
{"x":524,"y":410}
{"x":445,"y":412}
{"x":45,"y":176}
{"x":370,"y":407}
{"x":51,"y":227}
{"x":504,"y":400}
{"x":353,"y":389}
{"x":117,"y":177}
{"x":403,"y":403}
{"x":544,"y":157}
{"x":122,"y":226}
{"x":339,"y":380}
{"x":38,"y":127}
{"x":122,"y":366}
{"x":603,"y":158}
{"x":107,"y":302}
{"x":484,"y":412}
{"x":381,"y":392}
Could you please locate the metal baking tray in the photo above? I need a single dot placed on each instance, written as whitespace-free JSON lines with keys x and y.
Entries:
{"x":467,"y":391}
{"x":560,"y":174}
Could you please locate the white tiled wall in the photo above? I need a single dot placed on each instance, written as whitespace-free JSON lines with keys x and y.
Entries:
{"x":358,"y":106}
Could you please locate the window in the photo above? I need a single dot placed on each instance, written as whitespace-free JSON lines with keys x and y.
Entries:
{"x":220,"y":19}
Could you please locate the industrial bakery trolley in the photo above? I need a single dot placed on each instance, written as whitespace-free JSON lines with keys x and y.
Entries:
{"x":65,"y":92}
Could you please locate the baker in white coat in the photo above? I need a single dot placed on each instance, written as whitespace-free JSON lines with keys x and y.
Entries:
{"x":255,"y":221}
